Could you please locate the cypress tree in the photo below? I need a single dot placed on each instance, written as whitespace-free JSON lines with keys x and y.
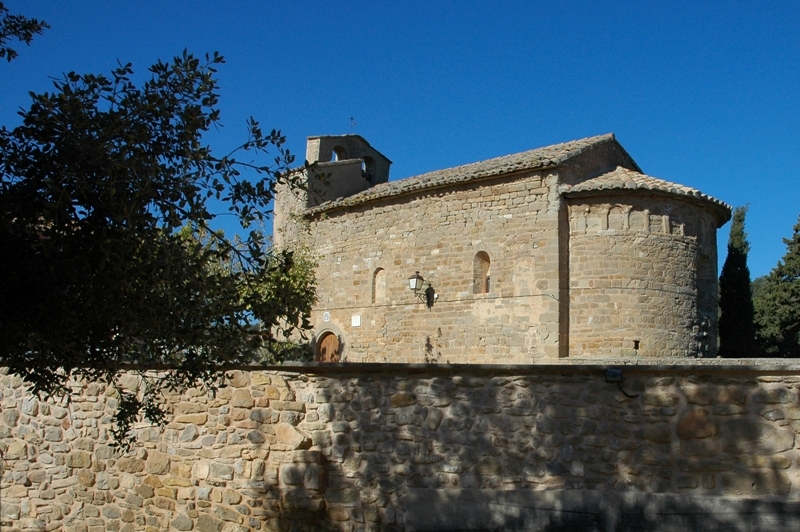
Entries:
{"x":778,"y":304}
{"x":736,"y":327}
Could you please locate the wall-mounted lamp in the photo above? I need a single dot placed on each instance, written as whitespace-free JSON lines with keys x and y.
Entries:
{"x":429,"y":296}
{"x":415,"y":282}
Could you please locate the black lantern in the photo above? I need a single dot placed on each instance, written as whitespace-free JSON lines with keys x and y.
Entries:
{"x":415,"y":282}
{"x":429,"y":296}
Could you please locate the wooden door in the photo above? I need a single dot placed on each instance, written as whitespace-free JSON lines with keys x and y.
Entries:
{"x":328,"y":348}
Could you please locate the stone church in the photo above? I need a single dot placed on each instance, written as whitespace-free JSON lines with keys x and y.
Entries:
{"x":566,"y":251}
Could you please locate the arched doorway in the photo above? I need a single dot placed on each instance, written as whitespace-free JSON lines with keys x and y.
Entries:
{"x":328,"y":348}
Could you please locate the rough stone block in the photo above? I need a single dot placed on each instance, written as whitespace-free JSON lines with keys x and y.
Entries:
{"x":292,"y":406}
{"x":292,"y":474}
{"x":242,"y":399}
{"x":157,"y":463}
{"x":207,"y":523}
{"x":185,"y":407}
{"x":85,"y":478}
{"x":255,"y":437}
{"x":79,"y":459}
{"x":714,"y":394}
{"x":660,"y":399}
{"x":728,"y":410}
{"x":238,"y":378}
{"x":189,"y":433}
{"x":433,"y":419}
{"x":183,"y":523}
{"x":402,"y":399}
{"x":30,"y":406}
{"x":134,"y":500}
{"x":53,"y":434}
{"x":111,"y":512}
{"x":657,"y":433}
{"x":695,"y":424}
{"x":749,"y":436}
{"x":766,"y":462}
{"x":261,"y":415}
{"x":129,"y":464}
{"x":288,"y":435}
{"x":757,"y":483}
{"x":774,"y":396}
{"x":340,"y":427}
{"x":222,"y":471}
{"x":199,"y":418}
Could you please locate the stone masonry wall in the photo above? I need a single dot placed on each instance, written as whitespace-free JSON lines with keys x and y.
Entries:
{"x":439,"y":233}
{"x":636,"y":288}
{"x":340,"y":447}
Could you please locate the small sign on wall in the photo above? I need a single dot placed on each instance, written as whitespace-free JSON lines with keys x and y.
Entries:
{"x":326,"y":317}
{"x":355,"y":320}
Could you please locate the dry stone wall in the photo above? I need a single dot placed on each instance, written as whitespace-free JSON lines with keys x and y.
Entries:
{"x":341,"y":448}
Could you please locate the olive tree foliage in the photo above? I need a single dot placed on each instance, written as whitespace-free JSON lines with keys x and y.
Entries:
{"x":777,"y":303}
{"x":736,"y":329}
{"x":109,"y":259}
{"x":19,"y":28}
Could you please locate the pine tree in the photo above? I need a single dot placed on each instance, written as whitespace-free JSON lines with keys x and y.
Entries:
{"x":736,"y":328}
{"x":778,"y":305}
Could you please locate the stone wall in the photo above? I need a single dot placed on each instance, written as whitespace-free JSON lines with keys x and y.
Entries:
{"x":636,"y":281}
{"x":439,"y":233}
{"x":346,"y":448}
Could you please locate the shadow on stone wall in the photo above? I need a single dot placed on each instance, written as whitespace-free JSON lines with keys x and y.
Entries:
{"x":562,"y":510}
{"x":691,"y":436}
{"x":354,"y":448}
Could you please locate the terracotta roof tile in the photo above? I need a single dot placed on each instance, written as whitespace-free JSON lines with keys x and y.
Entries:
{"x":626,"y":179}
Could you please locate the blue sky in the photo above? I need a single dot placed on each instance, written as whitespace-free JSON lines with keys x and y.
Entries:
{"x":706,"y":94}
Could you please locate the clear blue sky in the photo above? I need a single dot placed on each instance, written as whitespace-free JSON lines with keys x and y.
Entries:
{"x":706,"y":94}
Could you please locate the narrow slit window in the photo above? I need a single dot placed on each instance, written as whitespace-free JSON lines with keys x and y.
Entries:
{"x":368,"y":168}
{"x":480,"y":273}
{"x":379,"y":286}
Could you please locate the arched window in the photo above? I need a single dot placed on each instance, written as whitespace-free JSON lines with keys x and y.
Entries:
{"x":379,"y":286}
{"x":480,"y":273}
{"x":368,"y":168}
{"x":339,"y":154}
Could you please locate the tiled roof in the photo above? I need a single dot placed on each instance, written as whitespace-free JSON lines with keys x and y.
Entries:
{"x":625,"y":179}
{"x":528,"y":160}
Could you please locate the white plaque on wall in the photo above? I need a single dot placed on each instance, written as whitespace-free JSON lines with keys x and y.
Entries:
{"x":355,"y":321}
{"x":326,"y":317}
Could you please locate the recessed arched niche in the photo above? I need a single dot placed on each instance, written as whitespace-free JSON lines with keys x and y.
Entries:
{"x":616,"y":218}
{"x":379,"y":286}
{"x":636,"y":221}
{"x":480,"y":273}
